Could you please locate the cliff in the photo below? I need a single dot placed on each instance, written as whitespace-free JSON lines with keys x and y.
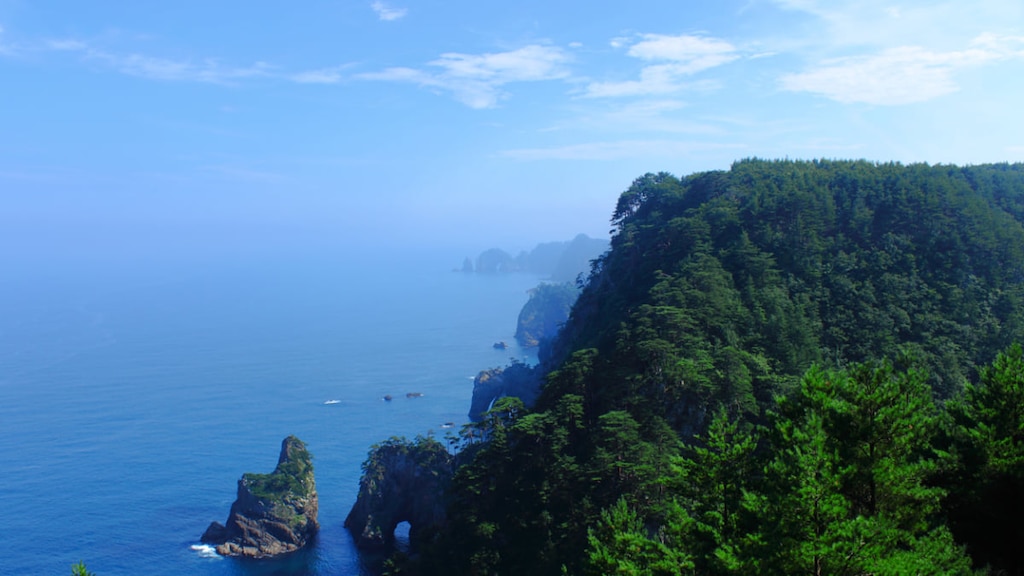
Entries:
{"x":516,"y":379}
{"x":273,"y":513}
{"x":544,"y":313}
{"x":402,"y":482}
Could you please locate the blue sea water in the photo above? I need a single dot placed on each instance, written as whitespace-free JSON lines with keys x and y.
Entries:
{"x":132,"y":398}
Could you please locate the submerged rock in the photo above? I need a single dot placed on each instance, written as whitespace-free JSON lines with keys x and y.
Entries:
{"x":273,"y":513}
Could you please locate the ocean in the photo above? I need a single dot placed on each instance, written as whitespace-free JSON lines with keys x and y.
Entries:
{"x":133,"y":397}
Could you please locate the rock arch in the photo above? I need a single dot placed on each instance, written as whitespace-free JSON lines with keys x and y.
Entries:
{"x":402,"y":482}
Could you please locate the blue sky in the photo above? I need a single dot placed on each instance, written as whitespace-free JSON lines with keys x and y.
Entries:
{"x":228,"y":127}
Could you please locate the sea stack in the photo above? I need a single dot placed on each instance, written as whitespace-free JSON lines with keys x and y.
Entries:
{"x":274,"y":513}
{"x":403,"y":481}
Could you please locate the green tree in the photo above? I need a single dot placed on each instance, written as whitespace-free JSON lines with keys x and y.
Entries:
{"x":620,"y":544}
{"x":850,"y":484}
{"x":79,"y":569}
{"x":716,"y":473}
{"x":986,"y":500}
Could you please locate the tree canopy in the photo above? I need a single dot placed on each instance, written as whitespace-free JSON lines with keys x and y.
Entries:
{"x":783,"y":368}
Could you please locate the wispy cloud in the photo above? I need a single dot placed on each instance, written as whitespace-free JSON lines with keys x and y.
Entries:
{"x":331,"y":75}
{"x":664,"y":116}
{"x":476,"y":80}
{"x":616,"y":150}
{"x":387,"y":13}
{"x":903,"y":75}
{"x":208,"y":70}
{"x":674,"y":59}
{"x":4,"y":48}
{"x":936,"y":25}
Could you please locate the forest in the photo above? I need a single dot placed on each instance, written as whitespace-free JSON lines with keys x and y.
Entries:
{"x":788,"y":367}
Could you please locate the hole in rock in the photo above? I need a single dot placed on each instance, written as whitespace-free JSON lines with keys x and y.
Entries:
{"x":402,"y":537}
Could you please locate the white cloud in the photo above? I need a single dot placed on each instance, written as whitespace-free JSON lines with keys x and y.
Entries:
{"x":678,"y":58}
{"x":696,"y":51}
{"x":476,"y":79}
{"x":903,"y":75}
{"x":387,"y":13}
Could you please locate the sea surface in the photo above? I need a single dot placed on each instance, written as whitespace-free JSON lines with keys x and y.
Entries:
{"x":133,"y":397}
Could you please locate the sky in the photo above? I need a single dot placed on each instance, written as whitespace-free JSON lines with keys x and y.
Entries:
{"x":156,"y":128}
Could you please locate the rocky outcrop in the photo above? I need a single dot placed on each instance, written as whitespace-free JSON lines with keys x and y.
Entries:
{"x":273,"y":513}
{"x":544,"y":313}
{"x":516,"y":379}
{"x":402,"y":482}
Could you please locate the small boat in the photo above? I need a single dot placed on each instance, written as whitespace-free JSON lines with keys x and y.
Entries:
{"x":333,"y":402}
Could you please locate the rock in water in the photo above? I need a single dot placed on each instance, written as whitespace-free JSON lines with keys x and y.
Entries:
{"x":402,"y":481}
{"x":274,"y":513}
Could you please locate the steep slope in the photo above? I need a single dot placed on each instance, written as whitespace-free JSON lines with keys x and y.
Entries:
{"x":720,"y":292}
{"x":725,"y":286}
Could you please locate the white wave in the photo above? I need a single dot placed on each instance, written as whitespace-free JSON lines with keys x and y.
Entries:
{"x":333,"y":402}
{"x":205,"y":550}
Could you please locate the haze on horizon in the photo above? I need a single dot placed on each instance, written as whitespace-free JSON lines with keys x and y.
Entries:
{"x":199,"y":129}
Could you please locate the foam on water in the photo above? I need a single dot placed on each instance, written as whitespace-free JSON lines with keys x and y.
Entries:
{"x":206,"y":551}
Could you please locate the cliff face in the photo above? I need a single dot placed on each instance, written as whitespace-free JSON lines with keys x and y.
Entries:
{"x":544,"y":313}
{"x":402,"y":482}
{"x":516,"y":379}
{"x":273,"y":513}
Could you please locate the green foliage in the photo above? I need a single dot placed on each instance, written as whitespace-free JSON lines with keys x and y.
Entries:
{"x":986,"y":483}
{"x":715,"y":475}
{"x":292,"y":478}
{"x":723,"y":287}
{"x":545,"y":312}
{"x":849,"y":488}
{"x":620,"y":544}
{"x":80,"y":570}
{"x":718,"y":400}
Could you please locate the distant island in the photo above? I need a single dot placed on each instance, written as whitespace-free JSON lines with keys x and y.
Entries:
{"x":556,"y":261}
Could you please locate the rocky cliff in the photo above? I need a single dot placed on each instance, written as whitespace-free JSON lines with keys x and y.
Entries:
{"x":544,"y":313}
{"x":273,"y":513}
{"x":402,"y":482}
{"x":516,"y":379}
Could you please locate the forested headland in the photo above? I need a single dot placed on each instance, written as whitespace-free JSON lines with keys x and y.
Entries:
{"x":789,"y":367}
